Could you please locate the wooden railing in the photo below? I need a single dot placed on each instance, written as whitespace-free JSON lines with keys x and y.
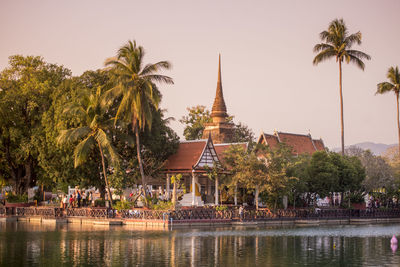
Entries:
{"x":200,"y":214}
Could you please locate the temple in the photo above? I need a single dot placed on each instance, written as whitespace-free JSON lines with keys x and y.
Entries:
{"x":299,"y":143}
{"x":194,"y":159}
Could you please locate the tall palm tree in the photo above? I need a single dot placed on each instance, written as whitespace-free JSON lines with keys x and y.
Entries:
{"x":93,"y":132}
{"x":393,"y":85}
{"x":135,"y":89}
{"x":337,"y":43}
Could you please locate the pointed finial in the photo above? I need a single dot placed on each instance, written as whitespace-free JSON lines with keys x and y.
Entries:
{"x":219,"y":69}
{"x":218,"y":112}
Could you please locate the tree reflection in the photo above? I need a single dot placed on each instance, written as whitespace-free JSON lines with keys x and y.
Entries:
{"x":69,"y":244}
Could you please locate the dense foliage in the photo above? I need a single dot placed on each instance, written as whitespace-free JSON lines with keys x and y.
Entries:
{"x":40,"y":101}
{"x":276,"y":173}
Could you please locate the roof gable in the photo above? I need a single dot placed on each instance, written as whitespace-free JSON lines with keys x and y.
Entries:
{"x":208,"y":156}
{"x":192,"y":155}
{"x":299,"y":143}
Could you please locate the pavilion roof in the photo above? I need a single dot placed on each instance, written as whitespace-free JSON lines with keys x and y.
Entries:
{"x":300,"y":143}
{"x":195,"y":155}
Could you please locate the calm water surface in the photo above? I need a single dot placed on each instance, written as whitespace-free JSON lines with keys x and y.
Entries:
{"x":29,"y":244}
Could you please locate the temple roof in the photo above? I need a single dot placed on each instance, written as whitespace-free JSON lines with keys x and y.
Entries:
{"x":219,"y":107}
{"x":299,"y":143}
{"x":195,"y":155}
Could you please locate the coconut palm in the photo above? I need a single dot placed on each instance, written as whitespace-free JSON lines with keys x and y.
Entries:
{"x":93,"y":132}
{"x":337,"y":43}
{"x":392,"y":86}
{"x":135,"y":89}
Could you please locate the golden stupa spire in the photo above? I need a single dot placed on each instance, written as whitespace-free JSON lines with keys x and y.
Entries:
{"x":219,"y":108}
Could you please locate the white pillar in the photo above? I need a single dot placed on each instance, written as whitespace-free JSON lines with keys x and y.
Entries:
{"x":209,"y":183}
{"x":193,"y":188}
{"x":167,"y":186}
{"x":216,"y":191}
{"x":235,"y":198}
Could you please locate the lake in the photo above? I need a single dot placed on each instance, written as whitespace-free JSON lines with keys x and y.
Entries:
{"x":28,"y":244}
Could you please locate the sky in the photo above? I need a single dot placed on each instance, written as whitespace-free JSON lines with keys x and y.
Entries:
{"x":266,"y":49}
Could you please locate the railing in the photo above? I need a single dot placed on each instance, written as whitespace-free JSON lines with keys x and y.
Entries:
{"x":145,"y":214}
{"x":200,"y":214}
{"x":34,"y":211}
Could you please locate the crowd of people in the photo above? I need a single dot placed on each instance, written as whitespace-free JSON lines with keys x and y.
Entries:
{"x":77,"y":199}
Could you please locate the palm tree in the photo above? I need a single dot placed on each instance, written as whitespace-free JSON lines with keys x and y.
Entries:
{"x":135,"y":89}
{"x":93,"y":132}
{"x":337,"y":43}
{"x":394,"y":85}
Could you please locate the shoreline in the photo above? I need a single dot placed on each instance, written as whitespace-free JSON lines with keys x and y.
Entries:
{"x":190,"y":223}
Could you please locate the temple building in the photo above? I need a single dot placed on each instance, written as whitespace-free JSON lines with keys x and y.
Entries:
{"x":299,"y":143}
{"x":194,"y":159}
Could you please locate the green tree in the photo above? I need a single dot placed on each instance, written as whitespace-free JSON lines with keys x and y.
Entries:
{"x":393,"y":85}
{"x":135,"y":88}
{"x":195,"y":121}
{"x":378,"y":172}
{"x":279,"y":162}
{"x":322,"y":175}
{"x":57,"y":162}
{"x":337,"y":43}
{"x":260,"y":170}
{"x":93,"y":132}
{"x":298,"y":171}
{"x":330,"y":172}
{"x":25,"y":95}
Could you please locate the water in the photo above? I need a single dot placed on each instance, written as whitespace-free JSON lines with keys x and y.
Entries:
{"x":32,"y":244}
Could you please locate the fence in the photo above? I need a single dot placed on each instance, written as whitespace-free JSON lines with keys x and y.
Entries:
{"x":200,"y":214}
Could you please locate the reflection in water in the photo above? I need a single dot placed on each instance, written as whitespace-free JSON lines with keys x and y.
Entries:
{"x":75,"y":244}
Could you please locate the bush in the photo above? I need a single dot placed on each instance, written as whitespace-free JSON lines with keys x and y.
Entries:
{"x":163,"y":205}
{"x":221,"y":208}
{"x":99,"y":202}
{"x":123,"y":205}
{"x":12,"y":198}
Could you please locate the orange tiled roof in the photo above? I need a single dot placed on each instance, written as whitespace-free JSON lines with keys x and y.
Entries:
{"x":299,"y":143}
{"x":319,"y":144}
{"x":187,"y":155}
{"x":268,"y":139}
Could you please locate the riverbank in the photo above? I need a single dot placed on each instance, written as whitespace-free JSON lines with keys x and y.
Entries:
{"x":197,"y":216}
{"x":189,"y":223}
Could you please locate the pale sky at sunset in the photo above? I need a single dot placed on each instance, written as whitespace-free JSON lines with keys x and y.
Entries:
{"x":268,"y":77}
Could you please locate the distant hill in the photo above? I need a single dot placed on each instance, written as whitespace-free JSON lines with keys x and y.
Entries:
{"x":375,"y":148}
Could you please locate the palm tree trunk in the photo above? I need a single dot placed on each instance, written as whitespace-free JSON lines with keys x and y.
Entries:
{"x":105,"y":174}
{"x":341,"y":104}
{"x":139,"y":156}
{"x":398,"y":123}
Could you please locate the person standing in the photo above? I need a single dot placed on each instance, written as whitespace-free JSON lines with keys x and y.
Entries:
{"x":78,"y":198}
{"x":84,"y":199}
{"x":65,"y":201}
{"x":71,"y":201}
{"x":241,"y":213}
{"x":90,"y":198}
